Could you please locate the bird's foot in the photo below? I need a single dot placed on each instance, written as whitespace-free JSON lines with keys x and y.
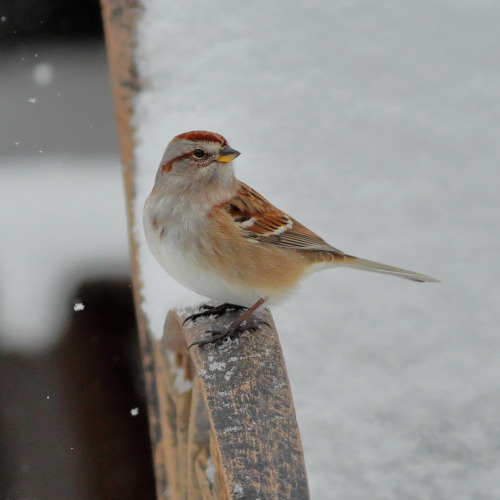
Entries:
{"x":234,"y":330}
{"x":214,"y":311}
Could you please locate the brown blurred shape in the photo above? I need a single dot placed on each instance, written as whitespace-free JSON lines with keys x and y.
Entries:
{"x":73,"y":422}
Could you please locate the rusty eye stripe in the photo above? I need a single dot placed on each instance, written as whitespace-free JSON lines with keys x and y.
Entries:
{"x":167,"y":167}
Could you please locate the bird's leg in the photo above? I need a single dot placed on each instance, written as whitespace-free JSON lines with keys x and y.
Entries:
{"x":235,"y":328}
{"x":214,"y":311}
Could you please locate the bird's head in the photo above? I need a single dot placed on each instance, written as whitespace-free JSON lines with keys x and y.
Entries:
{"x":197,"y":156}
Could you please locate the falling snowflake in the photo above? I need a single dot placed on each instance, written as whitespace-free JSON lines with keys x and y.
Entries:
{"x":134,"y":412}
{"x":43,"y":73}
{"x":78,"y":306}
{"x":32,"y":100}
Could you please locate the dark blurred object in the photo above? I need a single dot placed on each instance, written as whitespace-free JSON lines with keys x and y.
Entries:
{"x":40,"y":18}
{"x":74,"y":422}
{"x":56,"y":97}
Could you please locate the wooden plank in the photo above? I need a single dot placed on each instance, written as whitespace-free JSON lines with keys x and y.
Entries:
{"x":251,"y":412}
{"x":120,"y":20}
{"x":199,"y":480}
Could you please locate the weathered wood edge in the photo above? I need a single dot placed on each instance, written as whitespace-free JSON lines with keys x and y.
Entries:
{"x":263,"y":457}
{"x":250,"y":406}
{"x":120,"y":20}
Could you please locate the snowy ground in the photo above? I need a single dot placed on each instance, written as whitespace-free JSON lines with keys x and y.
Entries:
{"x":375,"y":124}
{"x":61,"y":223}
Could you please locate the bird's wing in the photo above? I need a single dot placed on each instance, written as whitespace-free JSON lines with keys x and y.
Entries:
{"x":264,"y":223}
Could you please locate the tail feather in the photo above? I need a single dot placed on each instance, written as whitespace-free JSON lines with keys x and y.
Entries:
{"x":377,"y":267}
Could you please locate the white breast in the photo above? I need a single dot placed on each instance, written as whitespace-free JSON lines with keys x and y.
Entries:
{"x":174,"y":247}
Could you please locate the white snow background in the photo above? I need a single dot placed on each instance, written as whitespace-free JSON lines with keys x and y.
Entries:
{"x":377,"y":125}
{"x":63,"y":221}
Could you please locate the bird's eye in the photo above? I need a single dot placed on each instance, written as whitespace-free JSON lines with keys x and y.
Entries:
{"x":199,"y":153}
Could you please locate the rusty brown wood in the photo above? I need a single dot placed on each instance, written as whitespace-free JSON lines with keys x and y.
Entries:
{"x":253,"y":445}
{"x":120,"y":20}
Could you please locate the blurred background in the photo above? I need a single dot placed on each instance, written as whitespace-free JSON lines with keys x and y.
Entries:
{"x":73,"y":421}
{"x":376,"y":124}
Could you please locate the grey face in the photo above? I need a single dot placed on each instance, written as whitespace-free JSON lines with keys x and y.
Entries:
{"x":196,"y":160}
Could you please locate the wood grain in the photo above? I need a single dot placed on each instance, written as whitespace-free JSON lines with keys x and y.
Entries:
{"x":256,"y":444}
{"x":120,"y":21}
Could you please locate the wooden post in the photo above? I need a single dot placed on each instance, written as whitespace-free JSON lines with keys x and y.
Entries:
{"x":222,"y":420}
{"x":120,"y":21}
{"x":242,"y":440}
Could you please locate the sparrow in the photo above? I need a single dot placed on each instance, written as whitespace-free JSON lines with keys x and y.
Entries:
{"x":224,"y":240}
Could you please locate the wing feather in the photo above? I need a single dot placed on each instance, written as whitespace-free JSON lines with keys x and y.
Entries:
{"x":264,"y":223}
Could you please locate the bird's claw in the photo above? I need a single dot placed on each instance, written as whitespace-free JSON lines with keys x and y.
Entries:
{"x":213,"y":311}
{"x":231,"y":333}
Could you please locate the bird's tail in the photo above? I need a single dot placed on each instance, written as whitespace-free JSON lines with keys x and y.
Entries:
{"x":376,"y":267}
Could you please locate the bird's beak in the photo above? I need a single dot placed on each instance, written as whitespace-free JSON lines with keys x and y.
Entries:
{"x":227,"y":154}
